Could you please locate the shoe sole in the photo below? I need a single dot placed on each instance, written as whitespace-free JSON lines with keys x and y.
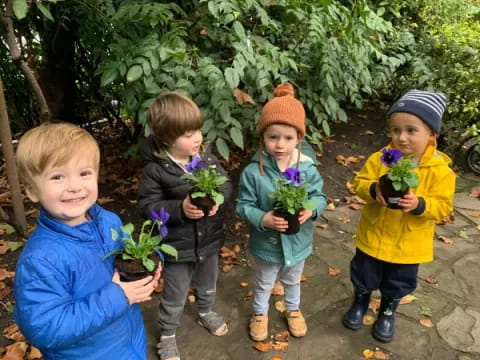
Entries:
{"x":349,"y":325}
{"x":297,"y":335}
{"x":380,"y":337}
{"x":214,"y":333}
{"x":259,"y":338}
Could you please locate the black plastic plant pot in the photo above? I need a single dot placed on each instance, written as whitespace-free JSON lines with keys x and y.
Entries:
{"x":132,"y":270}
{"x":293,"y":223}
{"x":390,"y":195}
{"x":205,"y":202}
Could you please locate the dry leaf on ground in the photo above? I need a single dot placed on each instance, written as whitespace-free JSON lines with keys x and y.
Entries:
{"x":5,"y":274}
{"x":445,"y":239}
{"x":333,"y":271}
{"x":350,"y":187}
{"x":263,"y":347}
{"x":227,"y":268}
{"x":344,"y":219}
{"x":474,"y":193}
{"x":249,"y":296}
{"x":368,"y":320}
{"x":303,"y":278}
{"x":407,"y":299}
{"x":431,"y":281}
{"x":280,"y":306}
{"x":280,"y":346}
{"x":34,"y":353}
{"x":474,"y":214}
{"x":3,"y":247}
{"x":367,"y":354}
{"x":243,"y":284}
{"x":278,"y":289}
{"x":380,"y":355}
{"x":330,"y":206}
{"x":13,"y":333}
{"x":191,"y":299}
{"x":322,"y":226}
{"x":374,"y":305}
{"x":426,"y":322}
{"x":282,"y":336}
{"x":15,"y":351}
{"x":276,"y":358}
{"x":236,"y":249}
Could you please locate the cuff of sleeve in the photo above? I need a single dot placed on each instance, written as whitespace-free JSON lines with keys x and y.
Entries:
{"x":420,"y":208}
{"x":373,"y":193}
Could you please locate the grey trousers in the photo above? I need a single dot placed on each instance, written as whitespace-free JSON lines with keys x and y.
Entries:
{"x":177,"y":279}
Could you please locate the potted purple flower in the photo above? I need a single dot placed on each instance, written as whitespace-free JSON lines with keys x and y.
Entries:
{"x":205,"y":183}
{"x":138,"y":259}
{"x":290,"y":197}
{"x":399,"y":178}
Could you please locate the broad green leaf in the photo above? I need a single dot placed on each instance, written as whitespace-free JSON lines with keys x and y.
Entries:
{"x":222,"y":148}
{"x":326,"y":127}
{"x":14,"y":245}
{"x":237,"y":136}
{"x":45,"y":10}
{"x":108,"y":76}
{"x":309,"y":205}
{"x":232,"y":78}
{"x":134,"y":73}
{"x":20,"y":8}
{"x":128,"y":229}
{"x":238,"y":29}
{"x":149,"y":264}
{"x":169,"y":249}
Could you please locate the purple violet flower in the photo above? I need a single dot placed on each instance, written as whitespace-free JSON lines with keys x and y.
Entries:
{"x":390,"y":156}
{"x":195,"y":164}
{"x":163,"y":217}
{"x":293,"y":175}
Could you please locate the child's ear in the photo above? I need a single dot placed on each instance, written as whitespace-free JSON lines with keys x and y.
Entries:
{"x":32,"y":195}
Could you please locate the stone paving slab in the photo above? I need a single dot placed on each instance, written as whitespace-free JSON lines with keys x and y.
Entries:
{"x":453,"y":303}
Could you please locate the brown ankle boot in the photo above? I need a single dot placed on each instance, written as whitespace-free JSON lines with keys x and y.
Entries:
{"x":259,"y":327}
{"x":296,"y":323}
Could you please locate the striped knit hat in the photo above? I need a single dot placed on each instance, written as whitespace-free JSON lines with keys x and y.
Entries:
{"x":428,"y":106}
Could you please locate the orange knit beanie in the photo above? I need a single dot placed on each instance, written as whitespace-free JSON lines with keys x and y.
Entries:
{"x":283,"y":109}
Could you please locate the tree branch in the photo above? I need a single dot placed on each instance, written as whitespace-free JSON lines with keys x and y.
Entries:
{"x":6,"y":19}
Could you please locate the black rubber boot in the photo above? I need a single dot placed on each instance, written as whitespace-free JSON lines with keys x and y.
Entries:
{"x":353,"y":318}
{"x":384,"y":327}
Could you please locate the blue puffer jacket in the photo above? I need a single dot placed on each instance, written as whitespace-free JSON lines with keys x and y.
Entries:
{"x":66,"y":302}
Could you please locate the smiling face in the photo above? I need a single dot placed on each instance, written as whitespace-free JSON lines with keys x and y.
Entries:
{"x":280,"y":141}
{"x":68,"y":190}
{"x":409,"y":134}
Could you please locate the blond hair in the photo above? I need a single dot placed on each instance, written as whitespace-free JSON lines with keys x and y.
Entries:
{"x":52,"y":144}
{"x":170,"y":116}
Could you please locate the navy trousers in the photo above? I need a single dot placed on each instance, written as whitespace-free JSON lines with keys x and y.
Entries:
{"x":393,"y":280}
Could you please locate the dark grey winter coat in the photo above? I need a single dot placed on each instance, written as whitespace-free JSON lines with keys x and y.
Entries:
{"x":161,"y":186}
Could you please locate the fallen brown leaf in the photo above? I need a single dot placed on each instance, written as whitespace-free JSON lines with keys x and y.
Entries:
{"x":280,"y":306}
{"x":426,"y":322}
{"x":243,"y":284}
{"x":282,"y":336}
{"x":350,"y":187}
{"x":322,"y":226}
{"x":191,"y":298}
{"x":407,"y":299}
{"x":431,"y":281}
{"x":474,"y":214}
{"x":236,"y":249}
{"x":242,"y":97}
{"x":303,"y":278}
{"x":4,"y":292}
{"x":333,"y":271}
{"x":368,"y":320}
{"x":278,"y":289}
{"x":344,"y":219}
{"x":330,"y":206}
{"x":203,"y":31}
{"x":380,"y":355}
{"x":15,"y":351}
{"x":34,"y":353}
{"x":5,"y":274}
{"x":474,"y":193}
{"x":280,"y":346}
{"x":263,"y":347}
{"x":227,"y":267}
{"x":3,"y":247}
{"x":367,"y":354}
{"x":276,"y":357}
{"x":249,"y":296}
{"x":13,"y":333}
{"x":367,"y":132}
{"x":445,"y":239}
{"x":374,"y":305}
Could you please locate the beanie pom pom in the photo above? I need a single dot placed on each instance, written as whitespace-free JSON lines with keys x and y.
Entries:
{"x":285,"y":89}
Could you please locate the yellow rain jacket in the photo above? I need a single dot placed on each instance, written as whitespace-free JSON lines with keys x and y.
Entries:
{"x":393,"y":235}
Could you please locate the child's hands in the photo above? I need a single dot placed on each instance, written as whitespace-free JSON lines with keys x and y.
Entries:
{"x":274,"y":222}
{"x":304,"y":216}
{"x":190,"y":210}
{"x":214,"y":210}
{"x":136,"y":291}
{"x":379,"y":196}
{"x":408,"y":202}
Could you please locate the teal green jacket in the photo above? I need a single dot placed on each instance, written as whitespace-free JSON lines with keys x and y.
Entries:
{"x":254,"y":203}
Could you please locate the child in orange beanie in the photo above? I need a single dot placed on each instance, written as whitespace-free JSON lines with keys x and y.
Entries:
{"x":281,"y":129}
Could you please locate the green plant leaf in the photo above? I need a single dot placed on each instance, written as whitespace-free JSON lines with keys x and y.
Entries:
{"x":6,"y":228}
{"x":128,"y":229}
{"x":134,"y":73}
{"x":237,"y":136}
{"x":149,"y":264}
{"x":14,"y":245}
{"x":222,"y":148}
{"x":45,"y":10}
{"x":309,"y":205}
{"x":169,"y":249}
{"x":108,"y":76}
{"x":20,"y":8}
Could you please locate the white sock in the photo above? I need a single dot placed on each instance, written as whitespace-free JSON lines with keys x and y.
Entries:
{"x":203,"y":314}
{"x":163,"y":337}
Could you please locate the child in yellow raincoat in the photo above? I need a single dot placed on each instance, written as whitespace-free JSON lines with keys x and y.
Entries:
{"x":391,"y":243}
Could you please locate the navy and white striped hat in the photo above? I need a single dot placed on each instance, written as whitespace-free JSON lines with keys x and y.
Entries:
{"x":428,"y":106}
